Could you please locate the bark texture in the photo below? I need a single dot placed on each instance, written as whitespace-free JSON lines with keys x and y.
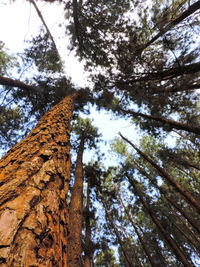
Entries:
{"x":34,"y":177}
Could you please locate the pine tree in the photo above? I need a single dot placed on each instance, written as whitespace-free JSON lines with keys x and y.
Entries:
{"x":35,"y":176}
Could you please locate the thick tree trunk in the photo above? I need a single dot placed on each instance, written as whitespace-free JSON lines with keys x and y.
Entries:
{"x":195,"y":203}
{"x":34,"y":177}
{"x":160,"y":227}
{"x":87,"y":260}
{"x":136,"y":230}
{"x":174,"y":124}
{"x":170,"y":200}
{"x":74,"y":246}
{"x":130,"y":264}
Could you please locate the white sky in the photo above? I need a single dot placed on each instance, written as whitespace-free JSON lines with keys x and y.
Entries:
{"x":19,"y":21}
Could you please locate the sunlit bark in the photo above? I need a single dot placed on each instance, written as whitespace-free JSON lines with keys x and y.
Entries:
{"x":34,"y":181}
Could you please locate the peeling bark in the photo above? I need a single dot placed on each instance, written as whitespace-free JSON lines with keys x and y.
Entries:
{"x":34,"y":177}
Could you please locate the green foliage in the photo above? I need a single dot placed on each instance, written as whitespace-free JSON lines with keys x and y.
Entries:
{"x":6,"y":61}
{"x":43,"y":54}
{"x":106,"y":258}
{"x":10,"y":124}
{"x":92,"y":135}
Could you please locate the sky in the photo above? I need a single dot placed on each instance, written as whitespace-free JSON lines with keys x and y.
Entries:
{"x":19,"y":21}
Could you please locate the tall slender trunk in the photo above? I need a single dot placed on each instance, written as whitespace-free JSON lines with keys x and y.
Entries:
{"x":194,"y":246}
{"x":132,"y":247}
{"x":192,"y":8}
{"x":187,"y":138}
{"x":46,"y":27}
{"x":179,"y":254}
{"x":168,"y":177}
{"x":74,"y":241}
{"x":170,"y":200}
{"x":34,"y":181}
{"x":161,"y":75}
{"x":188,"y":229}
{"x":130,"y":264}
{"x":158,"y":252}
{"x":136,"y":230}
{"x":174,"y":124}
{"x":87,"y":262}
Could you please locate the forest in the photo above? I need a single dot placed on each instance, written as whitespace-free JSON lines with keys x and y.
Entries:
{"x":138,"y":204}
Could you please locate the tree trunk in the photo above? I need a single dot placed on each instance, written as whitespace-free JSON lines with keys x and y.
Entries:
{"x":169,"y":178}
{"x":174,"y":124}
{"x":116,"y":232}
{"x":132,"y":247}
{"x":34,"y":178}
{"x":191,"y":242}
{"x":192,"y":8}
{"x":161,"y":75}
{"x":46,"y":27}
{"x":137,"y":232}
{"x":187,"y":138}
{"x":189,"y":230}
{"x":87,"y":262}
{"x":170,"y":200}
{"x":16,"y":83}
{"x":165,"y":234}
{"x":74,"y":243}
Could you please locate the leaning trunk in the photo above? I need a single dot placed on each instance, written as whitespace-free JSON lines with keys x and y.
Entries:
{"x":191,"y":200}
{"x":173,"y":124}
{"x":136,"y":230}
{"x":76,"y":212}
{"x":129,"y":263}
{"x":179,"y":254}
{"x":169,"y":199}
{"x":34,"y":182}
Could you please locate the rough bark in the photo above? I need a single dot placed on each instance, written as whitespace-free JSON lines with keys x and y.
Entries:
{"x":169,"y":199}
{"x":74,"y":246}
{"x":136,"y":230}
{"x":191,"y":200}
{"x":179,"y":254}
{"x":174,"y":124}
{"x":34,"y":177}
{"x":87,"y":260}
{"x":130,"y":264}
